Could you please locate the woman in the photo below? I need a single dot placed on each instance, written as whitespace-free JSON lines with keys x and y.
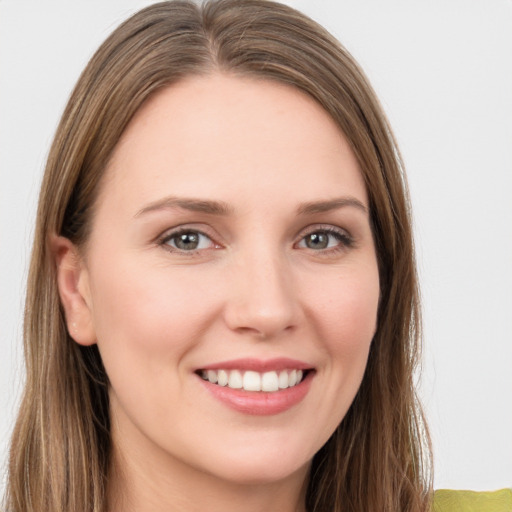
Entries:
{"x":222,"y":307}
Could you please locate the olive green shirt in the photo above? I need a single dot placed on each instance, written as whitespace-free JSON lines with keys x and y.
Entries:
{"x":447,"y":500}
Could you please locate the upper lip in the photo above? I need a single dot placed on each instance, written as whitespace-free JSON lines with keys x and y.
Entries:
{"x":259,"y":365}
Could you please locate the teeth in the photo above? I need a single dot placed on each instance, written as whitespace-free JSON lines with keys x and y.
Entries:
{"x":222,"y":378}
{"x":283,"y":379}
{"x":254,"y":381}
{"x":235,"y":380}
{"x":269,"y":381}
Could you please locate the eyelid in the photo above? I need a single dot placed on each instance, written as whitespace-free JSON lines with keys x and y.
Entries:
{"x":346,"y":239}
{"x":312,"y":228}
{"x":169,"y":233}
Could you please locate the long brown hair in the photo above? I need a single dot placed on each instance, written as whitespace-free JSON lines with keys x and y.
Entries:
{"x":379,"y":456}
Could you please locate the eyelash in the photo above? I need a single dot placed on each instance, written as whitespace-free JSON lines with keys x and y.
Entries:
{"x":345,"y":241}
{"x":166,"y":238}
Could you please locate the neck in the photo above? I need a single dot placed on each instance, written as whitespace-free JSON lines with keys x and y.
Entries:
{"x":137,"y":485}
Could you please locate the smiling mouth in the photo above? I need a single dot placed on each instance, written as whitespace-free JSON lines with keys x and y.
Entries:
{"x":268,"y":382}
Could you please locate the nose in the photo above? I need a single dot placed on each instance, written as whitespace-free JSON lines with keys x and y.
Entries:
{"x":263,"y":299}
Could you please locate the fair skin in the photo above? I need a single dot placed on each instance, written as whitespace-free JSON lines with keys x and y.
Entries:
{"x":231,"y":231}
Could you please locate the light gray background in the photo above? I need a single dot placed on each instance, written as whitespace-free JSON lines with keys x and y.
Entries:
{"x":443,"y":71}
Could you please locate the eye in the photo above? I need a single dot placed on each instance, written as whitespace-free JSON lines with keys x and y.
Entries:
{"x":188,"y":241}
{"x":323,"y":239}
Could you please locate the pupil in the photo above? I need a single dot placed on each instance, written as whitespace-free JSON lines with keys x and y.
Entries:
{"x":317,"y":241}
{"x":187,"y":241}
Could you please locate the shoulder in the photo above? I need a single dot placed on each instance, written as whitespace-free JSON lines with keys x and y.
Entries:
{"x":447,"y":500}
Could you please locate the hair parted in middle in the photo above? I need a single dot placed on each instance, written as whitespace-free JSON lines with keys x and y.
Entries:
{"x":379,"y":456}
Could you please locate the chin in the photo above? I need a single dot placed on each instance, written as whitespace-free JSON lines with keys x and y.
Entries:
{"x":257,"y":466}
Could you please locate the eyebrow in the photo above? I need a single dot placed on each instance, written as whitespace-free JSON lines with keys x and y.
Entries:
{"x":191,"y":204}
{"x":222,"y":208}
{"x":332,"y":204}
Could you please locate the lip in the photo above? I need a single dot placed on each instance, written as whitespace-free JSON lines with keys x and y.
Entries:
{"x":259,"y":365}
{"x":260,"y":403}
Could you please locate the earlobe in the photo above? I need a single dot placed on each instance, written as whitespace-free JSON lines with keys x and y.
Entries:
{"x":74,"y":291}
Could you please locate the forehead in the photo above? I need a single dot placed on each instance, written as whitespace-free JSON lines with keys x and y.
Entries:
{"x":210,"y":134}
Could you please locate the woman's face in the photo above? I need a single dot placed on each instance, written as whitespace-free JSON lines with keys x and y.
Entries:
{"x":231,"y":241}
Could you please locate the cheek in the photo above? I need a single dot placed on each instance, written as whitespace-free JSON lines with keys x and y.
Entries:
{"x":347,"y":310}
{"x":345,"y":313}
{"x":147,"y":322}
{"x":148,"y":314}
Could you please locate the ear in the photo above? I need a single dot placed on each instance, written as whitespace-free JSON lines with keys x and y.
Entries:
{"x":74,"y":290}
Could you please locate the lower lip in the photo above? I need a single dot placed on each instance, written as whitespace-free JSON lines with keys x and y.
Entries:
{"x":260,"y":403}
